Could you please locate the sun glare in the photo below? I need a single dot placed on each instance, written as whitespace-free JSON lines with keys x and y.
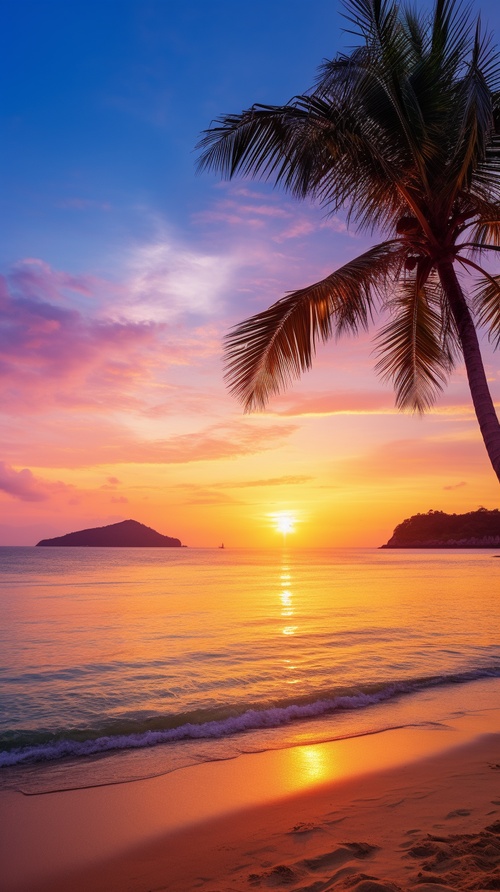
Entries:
{"x":284,"y":522}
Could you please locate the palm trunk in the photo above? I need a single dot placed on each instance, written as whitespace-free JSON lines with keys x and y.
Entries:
{"x":481,"y":397}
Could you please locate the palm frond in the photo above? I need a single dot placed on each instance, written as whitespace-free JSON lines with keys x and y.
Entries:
{"x":267,"y":351}
{"x":474,"y":118}
{"x":450,"y":33}
{"x":413,"y":23}
{"x":378,"y":80}
{"x":414,"y":346}
{"x":485,"y":182}
{"x":370,"y":17}
{"x":487,"y":304}
{"x":312,"y":147}
{"x":258,"y":141}
{"x":403,"y":134}
{"x":476,"y":207}
{"x":485,"y":233}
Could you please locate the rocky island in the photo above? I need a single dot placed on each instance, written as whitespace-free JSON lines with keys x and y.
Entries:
{"x":127,"y":534}
{"x":477,"y":529}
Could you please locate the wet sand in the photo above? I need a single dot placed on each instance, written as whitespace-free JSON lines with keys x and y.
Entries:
{"x":404,"y":809}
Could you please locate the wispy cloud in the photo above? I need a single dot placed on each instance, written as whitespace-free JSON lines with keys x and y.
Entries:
{"x":264,"y":483}
{"x":233,"y":212}
{"x":346,"y":402}
{"x":219,"y":441}
{"x":245,"y":209}
{"x":304,"y":226}
{"x":97,"y":440}
{"x":168,"y":279}
{"x":361,"y":402}
{"x":56,"y":354}
{"x":286,"y":480}
{"x":33,"y":277}
{"x":53,"y":354}
{"x":84,"y":204}
{"x":210,"y":497}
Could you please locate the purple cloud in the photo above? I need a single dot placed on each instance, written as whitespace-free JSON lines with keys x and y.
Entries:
{"x":21,"y":484}
{"x":52,"y":353}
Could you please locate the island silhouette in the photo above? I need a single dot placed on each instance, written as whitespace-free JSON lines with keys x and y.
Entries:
{"x":127,"y":534}
{"x":476,"y":529}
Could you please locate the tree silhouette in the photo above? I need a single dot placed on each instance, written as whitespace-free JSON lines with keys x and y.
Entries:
{"x":404,"y":134}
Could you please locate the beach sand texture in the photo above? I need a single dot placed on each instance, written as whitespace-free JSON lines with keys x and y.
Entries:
{"x":264,"y":822}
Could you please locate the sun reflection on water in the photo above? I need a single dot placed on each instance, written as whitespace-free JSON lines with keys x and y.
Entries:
{"x":286,"y":600}
{"x":286,"y":597}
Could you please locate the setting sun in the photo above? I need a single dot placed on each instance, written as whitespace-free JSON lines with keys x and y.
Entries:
{"x":284,"y":522}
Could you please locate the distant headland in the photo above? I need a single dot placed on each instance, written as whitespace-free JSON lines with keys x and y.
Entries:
{"x":477,"y":529}
{"x":127,"y":534}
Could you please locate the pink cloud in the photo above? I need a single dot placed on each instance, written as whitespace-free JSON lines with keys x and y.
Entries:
{"x":304,"y":226}
{"x":218,"y":441}
{"x":362,"y":402}
{"x":254,"y":212}
{"x":231,"y":219}
{"x":21,"y":484}
{"x":32,"y":276}
{"x":264,"y":210}
{"x":337,"y":402}
{"x":54,"y":355}
{"x":25,"y":486}
{"x":97,"y":440}
{"x":296,"y":230}
{"x":236,"y":213}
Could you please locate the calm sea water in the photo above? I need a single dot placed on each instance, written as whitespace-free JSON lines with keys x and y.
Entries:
{"x":122,"y":663}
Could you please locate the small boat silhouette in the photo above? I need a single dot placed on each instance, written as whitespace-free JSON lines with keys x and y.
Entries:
{"x":222,"y":545}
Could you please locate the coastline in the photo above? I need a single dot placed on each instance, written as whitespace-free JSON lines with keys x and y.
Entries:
{"x":327,"y":813}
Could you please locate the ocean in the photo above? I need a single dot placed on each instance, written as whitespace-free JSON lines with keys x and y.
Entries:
{"x":117,"y":664}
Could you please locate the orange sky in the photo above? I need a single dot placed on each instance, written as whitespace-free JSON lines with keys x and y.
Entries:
{"x":123,"y":270}
{"x":130,"y":418}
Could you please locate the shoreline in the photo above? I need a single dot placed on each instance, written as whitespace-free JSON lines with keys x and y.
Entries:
{"x":209,"y":826}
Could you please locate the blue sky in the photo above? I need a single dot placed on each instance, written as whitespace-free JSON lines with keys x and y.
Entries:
{"x":106,"y":101}
{"x":123,"y":269}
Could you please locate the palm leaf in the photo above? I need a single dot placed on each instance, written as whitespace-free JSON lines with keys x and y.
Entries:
{"x":474,"y":119}
{"x":485,"y":234}
{"x":487,"y":303}
{"x":312,"y":147}
{"x":376,"y":79}
{"x":403,"y":134}
{"x":414,"y":346}
{"x":486,"y":177}
{"x":267,"y":351}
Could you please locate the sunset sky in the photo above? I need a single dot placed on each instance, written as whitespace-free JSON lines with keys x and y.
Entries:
{"x":122,"y":269}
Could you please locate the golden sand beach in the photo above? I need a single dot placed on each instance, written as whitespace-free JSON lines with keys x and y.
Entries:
{"x":404,"y":809}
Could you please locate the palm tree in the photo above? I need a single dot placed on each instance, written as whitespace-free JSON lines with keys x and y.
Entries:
{"x":404,"y":135}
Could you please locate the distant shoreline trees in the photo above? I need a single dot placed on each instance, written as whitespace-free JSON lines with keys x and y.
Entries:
{"x":476,"y":529}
